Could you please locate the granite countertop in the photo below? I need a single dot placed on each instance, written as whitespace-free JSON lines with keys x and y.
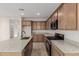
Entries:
{"x":14,"y":45}
{"x":65,"y":46}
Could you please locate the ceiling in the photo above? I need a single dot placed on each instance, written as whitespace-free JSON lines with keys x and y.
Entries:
{"x":30,"y":9}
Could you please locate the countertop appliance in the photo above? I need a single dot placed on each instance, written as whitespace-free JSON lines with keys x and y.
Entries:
{"x":48,"y":44}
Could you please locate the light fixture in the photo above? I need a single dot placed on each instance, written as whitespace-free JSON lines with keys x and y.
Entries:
{"x":21,"y":11}
{"x":22,"y":14}
{"x":38,"y":14}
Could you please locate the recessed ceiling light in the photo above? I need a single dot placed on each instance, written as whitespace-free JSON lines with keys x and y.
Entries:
{"x":38,"y":14}
{"x":22,"y":14}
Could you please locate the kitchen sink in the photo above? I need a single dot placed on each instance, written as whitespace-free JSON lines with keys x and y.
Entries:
{"x":25,"y":38}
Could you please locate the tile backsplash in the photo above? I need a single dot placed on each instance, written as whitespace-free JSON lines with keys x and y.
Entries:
{"x":69,"y":34}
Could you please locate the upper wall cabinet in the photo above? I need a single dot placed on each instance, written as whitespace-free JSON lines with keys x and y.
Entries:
{"x":26,"y":23}
{"x":67,"y":16}
{"x":48,"y":24}
{"x":38,"y":25}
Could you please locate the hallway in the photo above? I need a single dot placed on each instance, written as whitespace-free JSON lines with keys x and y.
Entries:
{"x":39,"y":49}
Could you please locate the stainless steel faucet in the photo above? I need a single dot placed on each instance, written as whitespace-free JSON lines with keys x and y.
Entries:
{"x":23,"y":32}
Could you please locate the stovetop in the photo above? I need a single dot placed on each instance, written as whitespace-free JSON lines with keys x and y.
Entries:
{"x":56,"y":37}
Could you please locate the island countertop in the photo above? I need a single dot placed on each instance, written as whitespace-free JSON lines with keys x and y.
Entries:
{"x":13,"y":45}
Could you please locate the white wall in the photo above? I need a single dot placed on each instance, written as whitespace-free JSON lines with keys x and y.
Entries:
{"x":15,"y":28}
{"x":4,"y":29}
{"x":69,"y":34}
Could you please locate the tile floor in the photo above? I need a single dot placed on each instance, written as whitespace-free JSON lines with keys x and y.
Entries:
{"x":39,"y":49}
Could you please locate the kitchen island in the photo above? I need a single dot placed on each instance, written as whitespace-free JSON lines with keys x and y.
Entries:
{"x":15,"y":47}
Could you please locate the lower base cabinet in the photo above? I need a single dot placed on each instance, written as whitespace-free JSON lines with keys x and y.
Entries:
{"x":56,"y":52}
{"x":28,"y":49}
{"x":38,"y":38}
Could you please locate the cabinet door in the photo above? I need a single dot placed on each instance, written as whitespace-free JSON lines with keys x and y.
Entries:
{"x":38,"y":25}
{"x":61,"y":20}
{"x":26,"y":23}
{"x":67,"y":16}
{"x":42,"y":25}
{"x":70,"y":15}
{"x":78,"y":16}
{"x":35,"y":38}
{"x":34,"y":25}
{"x":28,"y":49}
{"x":47,"y":25}
{"x":55,"y":51}
{"x":40,"y":38}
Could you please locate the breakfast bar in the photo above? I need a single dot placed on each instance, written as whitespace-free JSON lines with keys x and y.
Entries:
{"x":15,"y":47}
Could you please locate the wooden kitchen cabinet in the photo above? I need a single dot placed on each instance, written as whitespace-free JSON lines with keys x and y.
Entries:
{"x":61,"y":20}
{"x":70,"y":11}
{"x":34,"y":26}
{"x":56,"y":51}
{"x":38,"y":38}
{"x":38,"y":25}
{"x":43,"y":26}
{"x":28,"y":49}
{"x":26,"y":23}
{"x":48,"y":24}
{"x":67,"y":16}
